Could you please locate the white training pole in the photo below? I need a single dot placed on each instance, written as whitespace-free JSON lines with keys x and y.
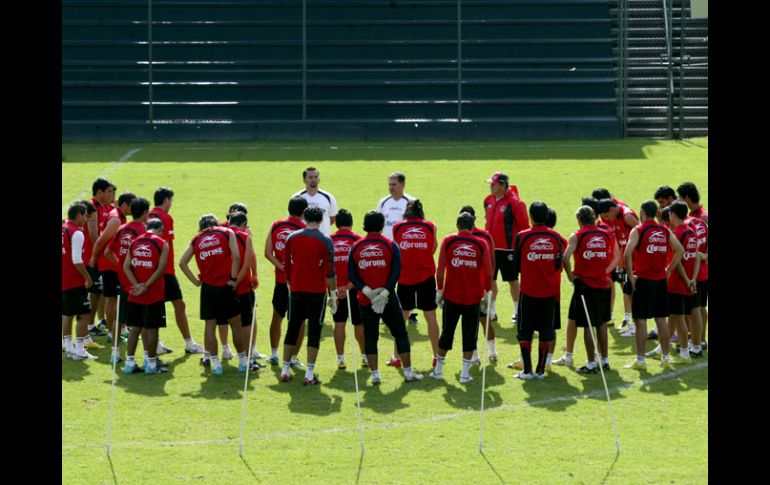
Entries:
{"x":484,"y":375}
{"x":248,"y":367}
{"x":355,"y":370}
{"x":115,"y":342}
{"x":601,"y":370}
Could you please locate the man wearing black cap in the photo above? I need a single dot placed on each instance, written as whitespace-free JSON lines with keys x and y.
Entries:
{"x":506,"y":215}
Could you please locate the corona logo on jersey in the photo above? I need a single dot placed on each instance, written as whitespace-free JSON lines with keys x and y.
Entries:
{"x":461,"y":252}
{"x":125,"y":244}
{"x":691,"y":251}
{"x":371,"y":251}
{"x":542,"y":244}
{"x":596,"y":242}
{"x":657,"y":243}
{"x":282,"y":236}
{"x":208,"y":241}
{"x":341,"y":251}
{"x":413,"y":233}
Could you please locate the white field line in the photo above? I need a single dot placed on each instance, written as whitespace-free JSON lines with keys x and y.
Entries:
{"x":109,"y":170}
{"x":381,"y":426}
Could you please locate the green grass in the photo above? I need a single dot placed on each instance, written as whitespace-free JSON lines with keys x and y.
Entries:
{"x":184,"y":426}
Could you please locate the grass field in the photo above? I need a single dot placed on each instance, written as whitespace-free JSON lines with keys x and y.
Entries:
{"x":184,"y":426}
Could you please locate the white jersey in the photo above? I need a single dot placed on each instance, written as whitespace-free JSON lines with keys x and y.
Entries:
{"x":326,"y":201}
{"x":393,"y":210}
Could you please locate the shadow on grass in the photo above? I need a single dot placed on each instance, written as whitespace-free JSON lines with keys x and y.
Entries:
{"x":609,"y":470}
{"x":468,"y":396}
{"x":360,"y":467}
{"x":492,"y":467}
{"x":305,"y":399}
{"x":554,"y":393}
{"x":73,"y":371}
{"x":248,"y":467}
{"x":112,"y":469}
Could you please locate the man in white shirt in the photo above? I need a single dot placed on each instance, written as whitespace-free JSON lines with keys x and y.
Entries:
{"x":318,"y":198}
{"x":394,"y":205}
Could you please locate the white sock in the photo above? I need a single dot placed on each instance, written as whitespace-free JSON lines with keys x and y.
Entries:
{"x":515,"y":307}
{"x":242,"y":359}
{"x":548,"y":358}
{"x":665,"y":357}
{"x":684,"y":353}
{"x":215,"y":364}
{"x":696,"y":348}
{"x":273,"y":352}
{"x":130,"y":358}
{"x":605,"y":360}
{"x":439,"y":364}
{"x":206,"y":355}
{"x":568,"y":355}
{"x":641,"y":359}
{"x":68,"y":343}
{"x":309,"y":371}
{"x":376,"y":374}
{"x":591,"y":364}
{"x":627,"y":317}
{"x":491,"y":346}
{"x":286,"y":367}
{"x":152,"y":362}
{"x":408,"y":372}
{"x":364,"y":358}
{"x":466,"y":368}
{"x":341,"y":358}
{"x":79,"y":348}
{"x":91,"y":327}
{"x":658,"y":349}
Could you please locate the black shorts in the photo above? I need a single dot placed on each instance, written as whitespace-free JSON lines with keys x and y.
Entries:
{"x":219,"y":303}
{"x":75,"y":302}
{"x":596,"y":301}
{"x":152,"y":315}
{"x":310,"y":307}
{"x":557,"y":315}
{"x":650,"y":299}
{"x":450,"y":315}
{"x":620,"y":275}
{"x":393,"y":317}
{"x":111,"y":283}
{"x":96,"y":277}
{"x":246,"y":306}
{"x":281,"y":298}
{"x":421,"y":295}
{"x":702,"y":296}
{"x":680,"y":304}
{"x":172,"y":289}
{"x":535,"y":315}
{"x":342,"y":309}
{"x":504,"y":264}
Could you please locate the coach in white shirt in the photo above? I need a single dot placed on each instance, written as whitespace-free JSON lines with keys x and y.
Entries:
{"x":394,"y":205}
{"x":318,"y":198}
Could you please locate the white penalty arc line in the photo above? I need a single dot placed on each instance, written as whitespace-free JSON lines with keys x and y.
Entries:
{"x":433,"y":419}
{"x":109,"y":170}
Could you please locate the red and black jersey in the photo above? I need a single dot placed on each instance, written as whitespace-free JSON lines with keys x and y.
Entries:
{"x":343,"y":241}
{"x":505,"y":217}
{"x":120,"y":244}
{"x":145,"y":252}
{"x":701,"y":230}
{"x":416,"y":239}
{"x":70,"y":276}
{"x":279,"y":233}
{"x":242,"y":237}
{"x":168,"y":235}
{"x":308,"y":261}
{"x":593,"y":253}
{"x":212,"y":253}
{"x":375,"y":261}
{"x":686,"y":235}
{"x":538,"y":255}
{"x":621,"y":229}
{"x":464,"y":268}
{"x":650,"y":254}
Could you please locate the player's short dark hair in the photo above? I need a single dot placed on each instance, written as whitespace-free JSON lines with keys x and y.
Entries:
{"x":313,"y":214}
{"x":75,"y":209}
{"x":650,"y":207}
{"x":539,"y":212}
{"x":101,"y":184}
{"x":297,"y":206}
{"x":601,"y":193}
{"x":139,"y":206}
{"x":154,"y":223}
{"x":238,"y":218}
{"x":344,"y":218}
{"x":126,"y":198}
{"x":374,"y":221}
{"x":90,"y":209}
{"x":550,"y":221}
{"x":469,"y":210}
{"x":310,"y":169}
{"x":586,"y":215}
{"x":591,"y":202}
{"x":237,"y":207}
{"x":414,"y":209}
{"x":689,"y":189}
{"x":605,"y":205}
{"x":161,"y":194}
{"x":206,"y":221}
{"x":465,"y":221}
{"x":664,"y":191}
{"x":665,"y":214}
{"x":398,"y":176}
{"x":679,"y":207}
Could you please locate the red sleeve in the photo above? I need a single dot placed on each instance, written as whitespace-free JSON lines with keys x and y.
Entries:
{"x":441,"y":266}
{"x":488,"y":270}
{"x":114,"y":244}
{"x":521,"y":216}
{"x":287,"y":259}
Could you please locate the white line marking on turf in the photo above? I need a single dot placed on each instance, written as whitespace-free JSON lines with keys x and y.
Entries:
{"x":433,"y":419}
{"x":109,"y":170}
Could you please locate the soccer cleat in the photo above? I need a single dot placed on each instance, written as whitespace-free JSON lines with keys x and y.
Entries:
{"x":227,"y":354}
{"x":205,"y":362}
{"x":158,"y":363}
{"x":524,"y":376}
{"x":516,"y":365}
{"x":628,"y":332}
{"x":250,"y":366}
{"x":413,"y":319}
{"x":217,"y":371}
{"x":539,"y":377}
{"x":696,"y":354}
{"x":376,"y":381}
{"x":439,"y":376}
{"x":493,"y":357}
{"x":587,"y":370}
{"x":666,"y":363}
{"x":637,"y":365}
{"x":103,"y":324}
{"x":465,"y":380}
{"x":94,"y":345}
{"x":297,"y":363}
{"x":394,"y":362}
{"x":256,"y":355}
{"x":364,"y":362}
{"x":513,"y":319}
{"x":193,"y":349}
{"x":97,"y":332}
{"x":563,"y":361}
{"x":159,"y":369}
{"x":131,"y":368}
{"x":494,"y":318}
{"x":704,"y":345}
{"x":627,"y":320}
{"x":257,"y":364}
{"x":311,"y":382}
{"x":341,"y":365}
{"x":652,"y":335}
{"x":286,"y":377}
{"x":85,"y":355}
{"x":476,"y":361}
{"x":606,"y":366}
{"x":113,"y":360}
{"x":653,"y":353}
{"x":414,"y":377}
{"x":273,"y":359}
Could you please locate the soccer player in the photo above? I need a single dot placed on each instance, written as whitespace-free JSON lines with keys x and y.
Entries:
{"x":309,"y":265}
{"x":506,"y":215}
{"x":538,"y":257}
{"x":343,"y":241}
{"x":374,"y":267}
{"x":464,"y":279}
{"x":318,"y":198}
{"x":89,"y":228}
{"x":491,"y":344}
{"x":665,"y":195}
{"x":75,"y":281}
{"x":622,"y":219}
{"x":163,"y":198}
{"x":275,"y":245}
{"x":216,"y":254}
{"x":596,"y":255}
{"x":688,"y":192}
{"x":146,"y":311}
{"x":103,"y":192}
{"x":416,"y":238}
{"x":645,"y":257}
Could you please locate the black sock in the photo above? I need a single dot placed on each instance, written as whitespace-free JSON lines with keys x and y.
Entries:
{"x":526,"y":355}
{"x":542,"y":353}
